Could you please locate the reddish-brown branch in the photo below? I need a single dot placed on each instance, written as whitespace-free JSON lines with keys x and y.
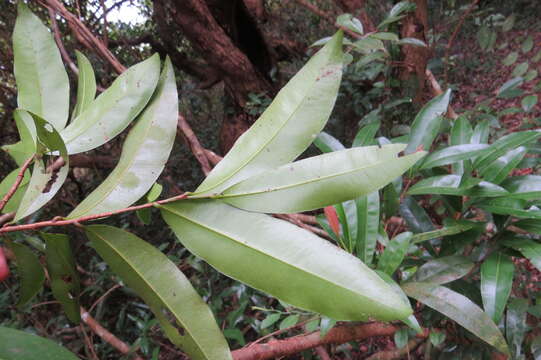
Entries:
{"x":293,"y":345}
{"x":195,"y":146}
{"x":57,"y":222}
{"x":105,"y":335}
{"x":17,"y":182}
{"x":58,"y":40}
{"x":308,"y":5}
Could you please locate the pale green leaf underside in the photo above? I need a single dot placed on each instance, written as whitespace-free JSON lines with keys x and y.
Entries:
{"x":185,"y":318}
{"x":288,"y":126}
{"x":283,"y":260}
{"x":321,"y":180}
{"x":144,"y":153}
{"x":86,"y":85}
{"x":42,"y":81}
{"x":20,"y":345}
{"x":114,"y":109}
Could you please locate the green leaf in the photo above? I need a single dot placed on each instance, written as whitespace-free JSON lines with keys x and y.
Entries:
{"x":529,"y":248}
{"x":30,"y":271}
{"x":503,"y":145}
{"x":114,"y":109}
{"x":496,"y":281}
{"x":288,"y":126}
{"x":325,"y":325}
{"x":351,"y":23}
{"x":289,"y":321}
{"x":509,"y":88}
{"x":49,"y":172}
{"x":444,"y":231}
{"x":385,"y":36}
{"x":43,"y":90}
{"x":394,"y":253}
{"x":368,"y":207}
{"x":480,"y":133}
{"x":436,"y":337}
{"x":530,"y":225}
{"x":426,"y":124}
{"x":20,"y":345}
{"x":453,"y":185}
{"x":270,"y":320}
{"x":444,"y":270}
{"x":486,"y":37}
{"x":294,"y":265}
{"x":25,"y":148}
{"x":401,"y":338}
{"x":86,"y":85}
{"x":401,"y":8}
{"x":497,"y":171}
{"x":510,"y":206}
{"x":516,"y":326}
{"x":508,"y":23}
{"x":415,"y":216}
{"x":411,"y":41}
{"x":459,"y":309}
{"x":530,"y":75}
{"x":184,"y":317}
{"x":453,"y":154}
{"x":520,"y":69}
{"x":529,"y":102}
{"x":368,"y":45}
{"x":6,"y":185}
{"x":526,"y":187}
{"x":327,"y":143}
{"x":365,"y":136}
{"x":144,"y":153}
{"x":527,"y":45}
{"x":64,"y":278}
{"x":321,"y":180}
{"x":510,"y":59}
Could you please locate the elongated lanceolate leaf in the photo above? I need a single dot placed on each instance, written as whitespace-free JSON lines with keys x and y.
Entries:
{"x":513,"y":207}
{"x":283,"y":260}
{"x":530,"y":225}
{"x":47,"y":176}
{"x":426,"y":124}
{"x":453,"y":154}
{"x":368,"y":207}
{"x":288,"y":126}
{"x":444,"y":231}
{"x":415,"y":216}
{"x":481,"y":133}
{"x":185,"y":318}
{"x":503,"y":145}
{"x":444,"y":270}
{"x":26,"y":147}
{"x":497,"y":171}
{"x":42,"y":81}
{"x":86,"y":85}
{"x":327,"y":143}
{"x":394,"y":253}
{"x":531,"y":249}
{"x":365,"y":136}
{"x":64,"y":278}
{"x":29,"y":270}
{"x":526,"y":187}
{"x":459,"y":309}
{"x":114,"y":109}
{"x":20,"y":345}
{"x":144,"y":153}
{"x":453,"y":185}
{"x":496,"y":280}
{"x":321,"y":180}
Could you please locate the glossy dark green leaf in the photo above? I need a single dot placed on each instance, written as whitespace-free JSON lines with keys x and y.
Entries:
{"x":321,"y":180}
{"x":288,"y":126}
{"x":496,"y":281}
{"x":481,"y":132}
{"x":415,"y":216}
{"x":270,"y":320}
{"x":64,"y":278}
{"x":144,"y":153}
{"x":459,"y":309}
{"x":426,"y":124}
{"x":394,"y":253}
{"x":531,"y":249}
{"x":443,"y":270}
{"x":497,"y":171}
{"x":526,"y":187}
{"x":49,"y":172}
{"x":6,"y":185}
{"x":184,"y":317}
{"x":293,"y":264}
{"x":30,"y":271}
{"x":513,"y":207}
{"x":461,"y":132}
{"x":516,"y":326}
{"x":20,"y":345}
{"x":86,"y":85}
{"x":327,"y":143}
{"x":454,"y":185}
{"x":368,"y":207}
{"x":43,"y":90}
{"x":444,"y":231}
{"x":530,"y":225}
{"x":365,"y":136}
{"x":289,"y":321}
{"x":114,"y":109}
{"x":453,"y":154}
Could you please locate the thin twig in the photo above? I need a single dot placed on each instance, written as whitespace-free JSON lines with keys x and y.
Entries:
{"x":397,"y":353}
{"x":58,"y":40}
{"x":100,"y":299}
{"x":17,"y":182}
{"x":58,"y":222}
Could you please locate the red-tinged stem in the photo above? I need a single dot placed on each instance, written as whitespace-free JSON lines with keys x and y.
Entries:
{"x":57,"y":222}
{"x":17,"y":182}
